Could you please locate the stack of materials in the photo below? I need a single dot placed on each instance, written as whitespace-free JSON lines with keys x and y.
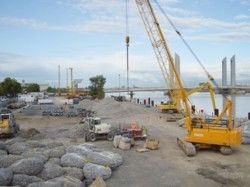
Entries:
{"x":37,"y":163}
{"x":121,"y":142}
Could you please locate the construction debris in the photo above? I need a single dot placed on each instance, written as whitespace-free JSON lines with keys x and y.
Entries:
{"x":152,"y":144}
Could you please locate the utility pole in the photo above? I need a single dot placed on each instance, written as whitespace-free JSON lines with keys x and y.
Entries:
{"x":127,"y":44}
{"x":119,"y":79}
{"x":71,"y":80}
{"x":67,"y":79}
{"x":59,"y":80}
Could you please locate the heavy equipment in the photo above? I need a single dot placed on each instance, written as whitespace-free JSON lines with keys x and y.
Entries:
{"x":8,"y":126}
{"x":215,"y":132}
{"x":96,"y":129}
{"x":134,"y":131}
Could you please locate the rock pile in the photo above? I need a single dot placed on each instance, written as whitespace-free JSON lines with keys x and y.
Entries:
{"x":45,"y":163}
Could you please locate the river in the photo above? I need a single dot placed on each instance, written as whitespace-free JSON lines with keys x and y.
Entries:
{"x":201,"y":101}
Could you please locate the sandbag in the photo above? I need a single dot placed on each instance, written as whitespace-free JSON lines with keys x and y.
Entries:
{"x":73,"y":160}
{"x":66,"y":181}
{"x":18,"y":148}
{"x":3,"y":152}
{"x":35,"y":154}
{"x":51,"y":171}
{"x":74,"y":172}
{"x":105,"y":158}
{"x":152,"y":144}
{"x":29,"y":166}
{"x":91,"y":171}
{"x":57,"y":152}
{"x":55,"y":161}
{"x":6,"y":175}
{"x":24,"y":180}
{"x":7,"y":160}
{"x":116,"y":140}
{"x":124,"y":146}
{"x":79,"y":149}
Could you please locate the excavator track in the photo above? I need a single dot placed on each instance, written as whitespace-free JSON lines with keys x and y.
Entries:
{"x":187,"y":147}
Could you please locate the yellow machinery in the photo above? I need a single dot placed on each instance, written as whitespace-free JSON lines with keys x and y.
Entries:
{"x":173,"y":103}
{"x":216,"y":132}
{"x":8,"y":126}
{"x":168,"y":107}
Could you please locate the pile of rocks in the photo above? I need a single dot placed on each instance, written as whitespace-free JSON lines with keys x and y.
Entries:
{"x":39,"y":163}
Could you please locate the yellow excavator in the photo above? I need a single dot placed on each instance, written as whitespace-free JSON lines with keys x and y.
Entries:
{"x":217,"y":131}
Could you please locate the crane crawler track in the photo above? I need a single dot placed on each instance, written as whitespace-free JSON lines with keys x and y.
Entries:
{"x":187,"y":147}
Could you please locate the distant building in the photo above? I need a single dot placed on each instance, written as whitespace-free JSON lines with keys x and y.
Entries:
{"x":43,"y":87}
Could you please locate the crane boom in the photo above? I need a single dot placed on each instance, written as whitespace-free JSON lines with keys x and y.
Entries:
{"x":162,"y":52}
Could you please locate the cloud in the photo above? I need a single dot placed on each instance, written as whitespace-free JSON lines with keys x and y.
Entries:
{"x":144,"y":70}
{"x":212,"y":29}
{"x":85,"y":66}
{"x":109,"y":18}
{"x":241,"y":17}
{"x":245,"y":2}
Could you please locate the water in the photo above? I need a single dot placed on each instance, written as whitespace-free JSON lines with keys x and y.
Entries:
{"x":201,"y":101}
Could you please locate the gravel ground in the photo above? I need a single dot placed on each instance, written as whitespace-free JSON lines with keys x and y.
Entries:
{"x":167,"y":166}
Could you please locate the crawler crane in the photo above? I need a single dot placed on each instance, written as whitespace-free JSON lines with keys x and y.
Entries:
{"x":218,"y":132}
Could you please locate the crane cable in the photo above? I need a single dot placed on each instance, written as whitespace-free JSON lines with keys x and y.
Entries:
{"x":187,"y":45}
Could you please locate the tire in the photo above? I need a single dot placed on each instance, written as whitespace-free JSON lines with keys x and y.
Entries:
{"x":110,"y":136}
{"x":92,"y":137}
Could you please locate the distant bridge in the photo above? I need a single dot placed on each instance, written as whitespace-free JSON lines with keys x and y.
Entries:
{"x":221,"y":89}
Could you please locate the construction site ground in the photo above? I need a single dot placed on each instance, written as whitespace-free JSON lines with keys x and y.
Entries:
{"x":167,"y":166}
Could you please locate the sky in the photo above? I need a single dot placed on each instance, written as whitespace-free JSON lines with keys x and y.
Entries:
{"x":89,"y":35}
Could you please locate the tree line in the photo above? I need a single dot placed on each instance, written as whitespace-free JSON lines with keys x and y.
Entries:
{"x":10,"y":87}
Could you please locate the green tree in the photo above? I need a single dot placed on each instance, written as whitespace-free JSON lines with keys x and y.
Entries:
{"x":51,"y":90}
{"x":96,"y":87}
{"x":33,"y":88}
{"x":10,"y":87}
